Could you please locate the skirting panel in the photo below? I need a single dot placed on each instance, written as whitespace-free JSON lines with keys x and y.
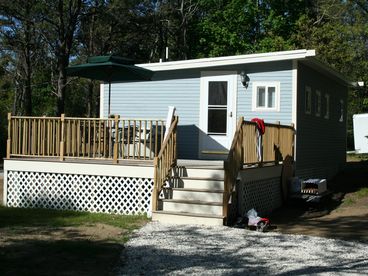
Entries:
{"x":92,"y":193}
{"x":264,"y":195}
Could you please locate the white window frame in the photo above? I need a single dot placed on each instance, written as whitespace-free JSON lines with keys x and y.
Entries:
{"x":318,"y":103}
{"x":267,"y":84}
{"x":341,"y":119}
{"x":308,"y":95}
{"x":327,"y":106}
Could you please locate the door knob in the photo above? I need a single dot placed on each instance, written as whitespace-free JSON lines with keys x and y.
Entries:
{"x":231,"y":114}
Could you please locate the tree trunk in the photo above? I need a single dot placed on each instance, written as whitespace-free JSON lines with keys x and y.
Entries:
{"x":61,"y":85}
{"x":67,"y":24}
{"x":28,"y":65}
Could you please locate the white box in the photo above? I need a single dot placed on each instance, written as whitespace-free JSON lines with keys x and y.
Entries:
{"x":319,"y":184}
{"x":360,"y":125}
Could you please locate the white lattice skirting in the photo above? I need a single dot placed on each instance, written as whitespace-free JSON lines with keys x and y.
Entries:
{"x":263,"y":195}
{"x":259,"y":188}
{"x":93,"y":193}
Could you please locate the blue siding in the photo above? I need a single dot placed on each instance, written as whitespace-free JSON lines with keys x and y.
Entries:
{"x":181,"y":88}
{"x":151,"y":100}
{"x":321,"y":143}
{"x":273,"y":71}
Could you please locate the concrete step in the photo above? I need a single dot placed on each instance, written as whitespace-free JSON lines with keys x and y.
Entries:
{"x":198,"y":172}
{"x":192,"y":206}
{"x":186,"y":218}
{"x":198,"y":183}
{"x":198,"y":194}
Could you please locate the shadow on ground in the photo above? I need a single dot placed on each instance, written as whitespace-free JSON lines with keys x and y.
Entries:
{"x":331,"y":217}
{"x":57,"y":257}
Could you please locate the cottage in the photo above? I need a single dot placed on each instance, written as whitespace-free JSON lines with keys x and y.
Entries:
{"x":207,"y":163}
{"x":290,"y":87}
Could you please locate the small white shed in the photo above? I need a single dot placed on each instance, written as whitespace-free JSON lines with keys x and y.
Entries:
{"x":360,"y":123}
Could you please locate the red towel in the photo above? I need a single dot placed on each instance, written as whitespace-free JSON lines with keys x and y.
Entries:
{"x":260,"y":125}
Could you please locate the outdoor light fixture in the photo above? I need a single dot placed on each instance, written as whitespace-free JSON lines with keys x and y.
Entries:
{"x":244,"y":79}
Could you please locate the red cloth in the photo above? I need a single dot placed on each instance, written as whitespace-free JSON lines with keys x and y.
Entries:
{"x":260,"y":125}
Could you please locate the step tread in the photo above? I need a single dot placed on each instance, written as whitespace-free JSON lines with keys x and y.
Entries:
{"x":200,"y":178}
{"x":203,"y":167}
{"x":187,"y":214}
{"x":197,"y":190}
{"x":199,"y":202}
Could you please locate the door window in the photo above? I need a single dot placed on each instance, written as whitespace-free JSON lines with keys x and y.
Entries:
{"x":217,"y":107}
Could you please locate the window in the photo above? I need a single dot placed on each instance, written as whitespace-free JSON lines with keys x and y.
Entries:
{"x":308,"y":100}
{"x":266,"y":96}
{"x":318,"y":103}
{"x":217,"y":107}
{"x":327,"y":106}
{"x":341,"y":111}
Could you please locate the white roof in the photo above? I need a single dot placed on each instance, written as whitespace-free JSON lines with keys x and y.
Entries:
{"x":308,"y":56}
{"x":229,"y":60}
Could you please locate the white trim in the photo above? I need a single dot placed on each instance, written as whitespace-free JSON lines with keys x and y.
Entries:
{"x":294,"y":92}
{"x":260,"y":173}
{"x":77,"y":168}
{"x":267,"y":84}
{"x":318,"y":103}
{"x":102,"y":96}
{"x":229,"y":60}
{"x":327,"y":106}
{"x":230,"y":76}
{"x":341,"y":111}
{"x":306,"y":109}
{"x":5,"y":185}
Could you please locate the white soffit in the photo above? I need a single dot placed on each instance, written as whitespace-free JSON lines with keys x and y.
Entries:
{"x":229,"y":60}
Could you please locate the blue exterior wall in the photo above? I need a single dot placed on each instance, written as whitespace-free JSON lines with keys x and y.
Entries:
{"x":181,"y":88}
{"x":272,"y":71}
{"x":151,"y":99}
{"x":321,"y":143}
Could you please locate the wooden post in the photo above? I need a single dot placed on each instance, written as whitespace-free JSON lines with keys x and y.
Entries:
{"x":8,"y":142}
{"x":225,"y":200}
{"x":116,"y":142}
{"x":62,"y":137}
{"x":293,"y":141}
{"x":155,"y":185}
{"x":278,"y":144}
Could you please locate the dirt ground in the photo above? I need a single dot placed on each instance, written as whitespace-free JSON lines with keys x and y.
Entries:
{"x":83,"y":250}
{"x":344,"y":215}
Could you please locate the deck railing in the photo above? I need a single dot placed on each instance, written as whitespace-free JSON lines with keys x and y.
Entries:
{"x":165,"y":162}
{"x":84,"y":138}
{"x":277,"y":144}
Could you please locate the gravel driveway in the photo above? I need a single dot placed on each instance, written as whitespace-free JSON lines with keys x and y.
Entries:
{"x":158,"y":249}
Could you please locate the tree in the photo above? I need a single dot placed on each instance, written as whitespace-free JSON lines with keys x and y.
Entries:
{"x":58,"y":23}
{"x":338,"y":30}
{"x":20,"y":39}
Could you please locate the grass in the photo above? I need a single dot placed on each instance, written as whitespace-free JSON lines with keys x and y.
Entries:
{"x":348,"y":202}
{"x":352,"y":198}
{"x":10,"y":217}
{"x":24,"y":252}
{"x":363,"y":192}
{"x":357,"y":157}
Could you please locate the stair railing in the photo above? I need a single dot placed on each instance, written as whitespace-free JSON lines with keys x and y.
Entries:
{"x":165,"y":162}
{"x":232,"y":165}
{"x":277,"y":144}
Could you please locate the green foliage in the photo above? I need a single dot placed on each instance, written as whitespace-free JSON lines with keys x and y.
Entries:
{"x":141,"y":30}
{"x":6,"y":99}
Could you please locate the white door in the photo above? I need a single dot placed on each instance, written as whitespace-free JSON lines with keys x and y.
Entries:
{"x":217,"y":114}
